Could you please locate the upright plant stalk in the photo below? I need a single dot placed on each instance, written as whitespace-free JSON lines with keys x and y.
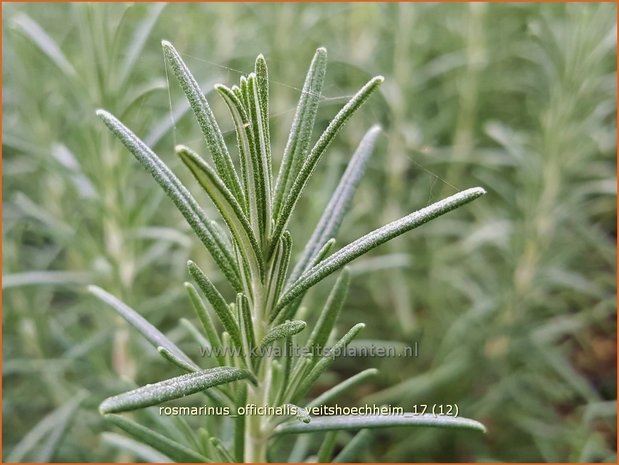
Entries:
{"x":257,"y":265}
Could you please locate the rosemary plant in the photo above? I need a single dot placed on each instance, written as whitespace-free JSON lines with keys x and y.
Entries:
{"x":254,"y":255}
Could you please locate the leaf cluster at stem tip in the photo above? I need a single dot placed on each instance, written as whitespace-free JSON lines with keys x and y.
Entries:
{"x":253,"y":253}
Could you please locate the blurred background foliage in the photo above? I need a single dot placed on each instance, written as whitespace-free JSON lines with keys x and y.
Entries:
{"x":511,"y":301}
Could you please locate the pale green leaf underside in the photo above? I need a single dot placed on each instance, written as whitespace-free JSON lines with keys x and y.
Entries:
{"x":348,"y":422}
{"x":173,"y":388}
{"x":230,"y":209}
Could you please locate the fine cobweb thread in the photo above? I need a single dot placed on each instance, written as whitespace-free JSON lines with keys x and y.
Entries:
{"x":435,"y":177}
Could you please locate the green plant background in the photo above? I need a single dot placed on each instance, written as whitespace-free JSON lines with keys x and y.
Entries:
{"x":511,"y":300}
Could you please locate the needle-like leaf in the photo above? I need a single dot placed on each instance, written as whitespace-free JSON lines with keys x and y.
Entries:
{"x":300,"y":135}
{"x":178,"y":194}
{"x":352,"y":422}
{"x":317,"y":151}
{"x":246,"y":324}
{"x":150,"y":333}
{"x":329,"y":314}
{"x":319,"y":367}
{"x":217,"y":301}
{"x":350,"y":451}
{"x":227,"y":205}
{"x":173,"y":388}
{"x":339,"y":388}
{"x":287,"y":329}
{"x":206,"y":120}
{"x":157,"y":441}
{"x":337,"y":207}
{"x":326,"y":448}
{"x":262,"y":87}
{"x":244,"y":143}
{"x":206,"y":320}
{"x":174,"y":360}
{"x":279,"y":269}
{"x":261,"y":156}
{"x":374,"y":239}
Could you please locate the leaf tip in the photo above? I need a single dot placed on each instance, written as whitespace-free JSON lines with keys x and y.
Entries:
{"x":375,"y":129}
{"x":181,"y":149}
{"x":166,"y":44}
{"x":105,"y":407}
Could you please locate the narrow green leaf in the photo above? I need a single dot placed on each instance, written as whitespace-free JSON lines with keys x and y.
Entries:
{"x":194,"y":332}
{"x":174,"y":360}
{"x":277,"y":378}
{"x":287,"y":329}
{"x":352,"y":422}
{"x":53,"y":425}
{"x":205,"y":318}
{"x":279,"y":269}
{"x":179,"y":195}
{"x":297,"y":378}
{"x":286,"y":370}
{"x":206,"y":120}
{"x":350,"y":452}
{"x":322,"y":253}
{"x":138,"y":40}
{"x":150,"y":333}
{"x":339,"y":388}
{"x":339,"y":202}
{"x":249,"y":155}
{"x":301,"y":130}
{"x":52,"y":278}
{"x":261,"y":157}
{"x":229,"y":208}
{"x":317,"y":151}
{"x":326,"y":448}
{"x":205,"y":441}
{"x":239,"y":430}
{"x":247,"y":325}
{"x":217,"y":301}
{"x":244,"y":92}
{"x":173,"y":388}
{"x":289,"y":311}
{"x":262,"y":86}
{"x":42,"y":40}
{"x":225,"y":454}
{"x":176,"y":451}
{"x":321,"y":366}
{"x":328,"y":316}
{"x":374,"y":239}
{"x":137,"y":448}
{"x":241,"y":127}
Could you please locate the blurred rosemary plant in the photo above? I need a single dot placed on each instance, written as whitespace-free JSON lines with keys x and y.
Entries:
{"x":254,"y":256}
